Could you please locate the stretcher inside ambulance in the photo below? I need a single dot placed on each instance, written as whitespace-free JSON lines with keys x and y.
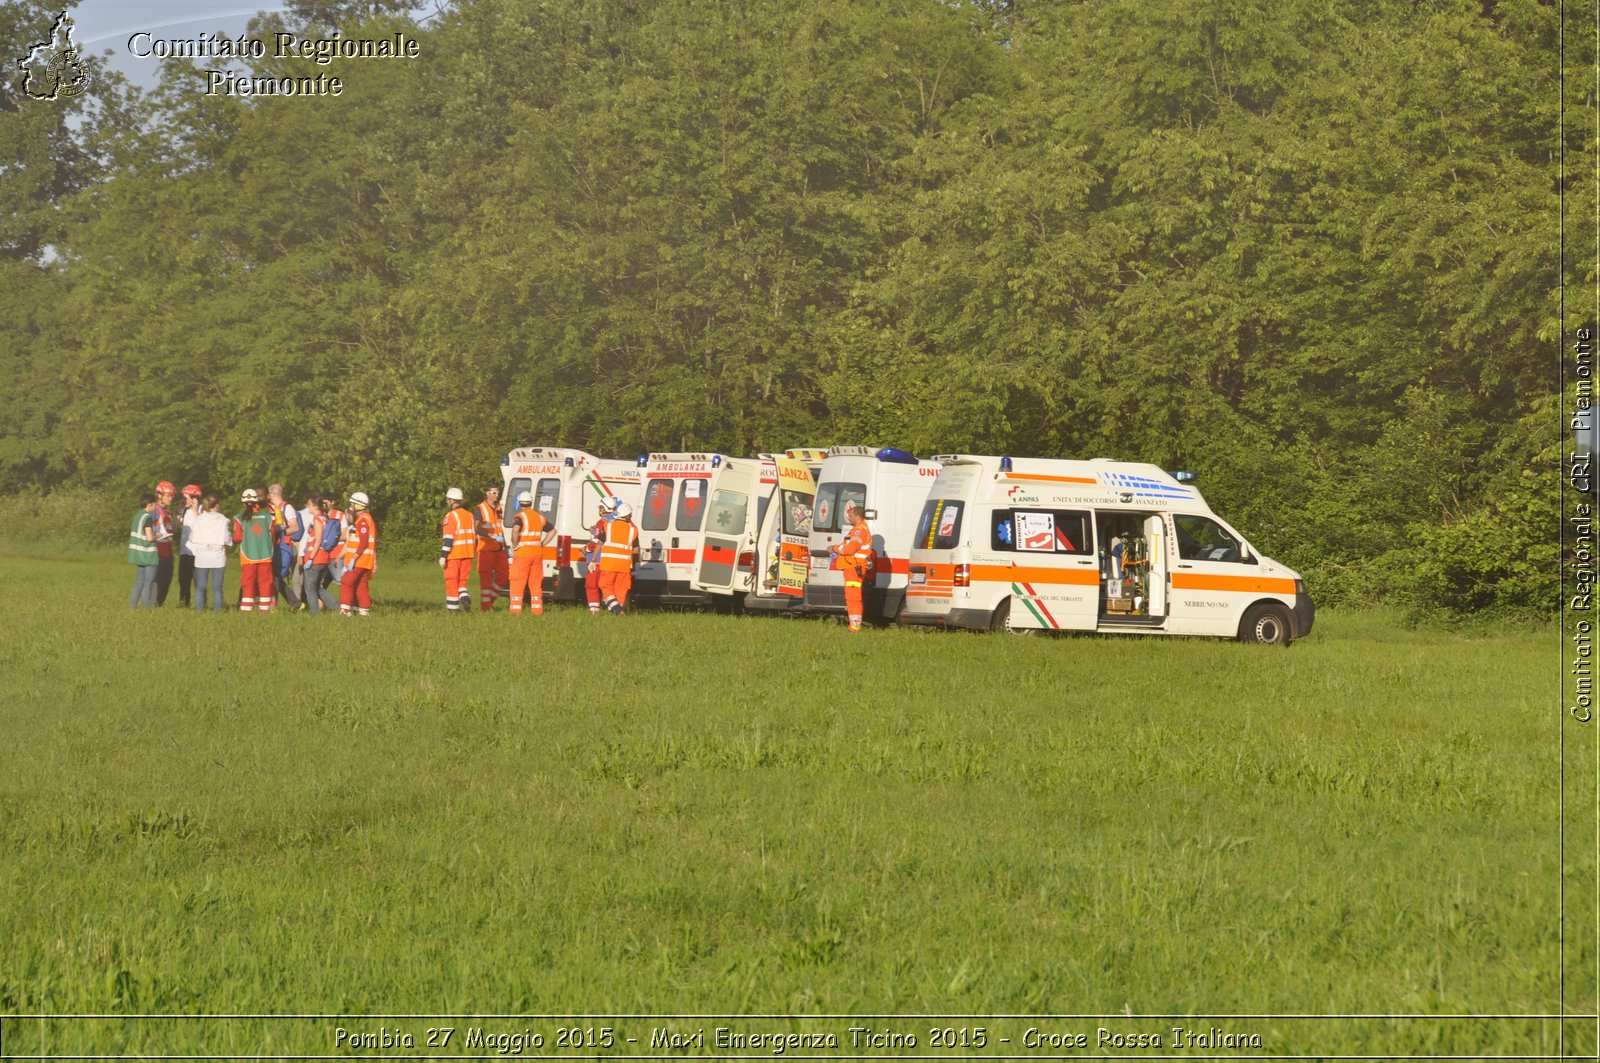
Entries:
{"x":891,"y":487}
{"x":1054,"y":544}
{"x":567,"y":486}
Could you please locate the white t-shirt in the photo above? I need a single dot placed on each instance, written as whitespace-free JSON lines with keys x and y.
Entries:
{"x":209,"y":535}
{"x":186,"y":516}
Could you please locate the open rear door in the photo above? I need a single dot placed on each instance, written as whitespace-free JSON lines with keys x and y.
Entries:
{"x":797,"y":488}
{"x":729,"y":529}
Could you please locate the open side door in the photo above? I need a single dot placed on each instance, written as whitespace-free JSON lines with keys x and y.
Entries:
{"x":729,"y":529}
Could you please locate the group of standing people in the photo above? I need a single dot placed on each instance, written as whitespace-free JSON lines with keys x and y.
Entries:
{"x":314,"y":557}
{"x":318,"y":556}
{"x":510,"y":557}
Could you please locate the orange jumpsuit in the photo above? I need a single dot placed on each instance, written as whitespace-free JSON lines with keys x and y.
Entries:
{"x":459,"y":547}
{"x":855,"y":559}
{"x":618,"y":554}
{"x":527,"y":562}
{"x":493,"y":569}
{"x":360,"y":562}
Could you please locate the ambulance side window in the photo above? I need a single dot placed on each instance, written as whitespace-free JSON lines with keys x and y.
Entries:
{"x":517,"y":486}
{"x":692,"y":505}
{"x":657,"y":506}
{"x":1041,"y":531}
{"x":1201,"y":539}
{"x":546,"y":497}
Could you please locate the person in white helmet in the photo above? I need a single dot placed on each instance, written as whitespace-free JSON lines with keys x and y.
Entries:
{"x":591,"y":553}
{"x":619,"y":553}
{"x":527,"y":534}
{"x":360,"y":556}
{"x":256,"y":536}
{"x":458,"y":547}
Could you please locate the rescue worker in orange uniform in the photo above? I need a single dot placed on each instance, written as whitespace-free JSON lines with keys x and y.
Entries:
{"x":619,"y":552}
{"x":527,"y":560}
{"x":591,"y":553}
{"x":459,"y":547}
{"x":493,"y":569}
{"x":855,"y":560}
{"x":360,"y":556}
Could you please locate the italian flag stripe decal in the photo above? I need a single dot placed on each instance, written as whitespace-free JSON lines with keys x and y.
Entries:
{"x":1040,"y":613}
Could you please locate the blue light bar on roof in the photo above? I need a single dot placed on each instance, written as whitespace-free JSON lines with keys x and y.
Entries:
{"x":716,"y":461}
{"x":1005,"y":464}
{"x":1183,"y":476}
{"x":644,"y":459}
{"x":506,"y":460}
{"x":895,"y":454}
{"x":568,"y":462}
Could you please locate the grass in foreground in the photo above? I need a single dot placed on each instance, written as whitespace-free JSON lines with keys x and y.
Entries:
{"x":682,"y":812}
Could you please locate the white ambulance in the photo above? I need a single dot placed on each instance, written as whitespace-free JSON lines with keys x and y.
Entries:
{"x":671,"y":520}
{"x":891,"y":486}
{"x":1052,"y":544}
{"x":766,"y":566}
{"x":567,"y":486}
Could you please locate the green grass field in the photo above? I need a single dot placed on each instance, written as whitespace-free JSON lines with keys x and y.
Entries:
{"x":692,"y":813}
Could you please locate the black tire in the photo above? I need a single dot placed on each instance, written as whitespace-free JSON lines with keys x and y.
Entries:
{"x":1266,"y":624}
{"x":1001,"y":621}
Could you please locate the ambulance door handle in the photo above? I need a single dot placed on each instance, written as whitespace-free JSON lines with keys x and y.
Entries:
{"x":674,"y":542}
{"x":1186,"y":566}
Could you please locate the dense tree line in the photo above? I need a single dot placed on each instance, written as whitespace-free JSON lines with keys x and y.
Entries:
{"x":1309,"y":251}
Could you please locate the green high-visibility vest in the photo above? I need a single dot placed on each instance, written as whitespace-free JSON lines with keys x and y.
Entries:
{"x":141,"y":551}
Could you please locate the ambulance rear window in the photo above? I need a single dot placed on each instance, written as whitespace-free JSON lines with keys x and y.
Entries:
{"x":546,"y":497}
{"x":832,"y":499}
{"x":940,"y":525}
{"x":657,"y":506}
{"x":515,"y":488}
{"x":692,"y":505}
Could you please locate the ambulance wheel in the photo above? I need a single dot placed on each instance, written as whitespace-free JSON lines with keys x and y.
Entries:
{"x":1267,"y":625}
{"x":1001,"y":621}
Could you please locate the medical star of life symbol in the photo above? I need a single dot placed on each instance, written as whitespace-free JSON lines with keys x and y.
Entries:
{"x":53,"y":67}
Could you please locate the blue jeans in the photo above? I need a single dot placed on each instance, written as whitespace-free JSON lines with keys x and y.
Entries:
{"x":144,"y":587}
{"x":319,"y":597}
{"x":211,"y":577}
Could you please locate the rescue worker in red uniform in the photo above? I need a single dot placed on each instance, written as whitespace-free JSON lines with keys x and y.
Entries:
{"x":591,"y":553}
{"x":458,"y":548}
{"x":494,"y":570}
{"x":527,"y":559}
{"x":360,"y":556}
{"x":257,"y":538}
{"x":619,"y":552}
{"x":855,"y":561}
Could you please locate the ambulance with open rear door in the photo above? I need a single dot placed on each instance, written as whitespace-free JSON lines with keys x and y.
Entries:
{"x":1025,"y":544}
{"x":891,"y":486}
{"x":567,"y":486}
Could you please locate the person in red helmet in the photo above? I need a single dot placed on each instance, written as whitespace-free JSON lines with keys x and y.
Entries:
{"x":165,"y":533}
{"x":191,"y":511}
